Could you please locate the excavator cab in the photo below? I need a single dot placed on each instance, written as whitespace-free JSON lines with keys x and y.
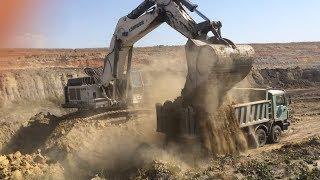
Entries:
{"x":140,"y":83}
{"x":86,"y":93}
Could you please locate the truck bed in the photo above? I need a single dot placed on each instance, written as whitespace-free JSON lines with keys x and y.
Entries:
{"x":253,"y":113}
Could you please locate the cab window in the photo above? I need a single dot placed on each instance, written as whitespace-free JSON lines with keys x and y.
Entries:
{"x":136,"y":80}
{"x":280,"y":100}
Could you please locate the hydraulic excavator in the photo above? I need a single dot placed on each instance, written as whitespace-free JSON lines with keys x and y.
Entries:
{"x":207,"y":56}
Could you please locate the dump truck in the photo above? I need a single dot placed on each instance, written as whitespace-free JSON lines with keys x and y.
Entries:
{"x":266,"y":118}
{"x":262,"y":114}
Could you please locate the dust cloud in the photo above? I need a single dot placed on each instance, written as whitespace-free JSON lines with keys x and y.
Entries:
{"x":117,"y":150}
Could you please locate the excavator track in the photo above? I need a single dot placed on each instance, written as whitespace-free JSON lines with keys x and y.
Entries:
{"x":116,"y":116}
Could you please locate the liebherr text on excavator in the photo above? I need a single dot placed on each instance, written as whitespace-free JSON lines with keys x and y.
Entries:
{"x":114,"y":85}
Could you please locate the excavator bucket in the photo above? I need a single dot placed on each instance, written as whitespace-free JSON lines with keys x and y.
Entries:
{"x":213,"y":69}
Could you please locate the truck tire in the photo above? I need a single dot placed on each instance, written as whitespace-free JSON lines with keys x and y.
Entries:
{"x":261,"y":137}
{"x":275,"y":134}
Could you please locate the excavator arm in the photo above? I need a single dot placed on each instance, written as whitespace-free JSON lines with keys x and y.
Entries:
{"x":142,"y":20}
{"x":214,"y":63}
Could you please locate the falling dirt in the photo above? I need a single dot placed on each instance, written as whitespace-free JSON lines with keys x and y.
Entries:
{"x":221,"y":133}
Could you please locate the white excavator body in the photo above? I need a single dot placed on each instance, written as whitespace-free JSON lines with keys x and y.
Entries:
{"x":212,"y":58}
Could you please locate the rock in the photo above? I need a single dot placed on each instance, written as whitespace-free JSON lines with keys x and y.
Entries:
{"x":98,"y":178}
{"x":17,"y":155}
{"x":10,"y":157}
{"x":15,"y":164}
{"x":4,"y":163}
{"x":37,"y":170}
{"x":28,"y":172}
{"x":28,"y":158}
{"x":40,"y":159}
{"x":2,"y":158}
{"x":17,"y":175}
{"x":25,"y":164}
{"x":4,"y":173}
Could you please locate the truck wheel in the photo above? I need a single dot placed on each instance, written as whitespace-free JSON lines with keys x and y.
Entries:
{"x":275,"y":134}
{"x":261,"y":137}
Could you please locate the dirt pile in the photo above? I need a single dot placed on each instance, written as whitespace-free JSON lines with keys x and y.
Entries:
{"x":31,"y":136}
{"x":34,"y":166}
{"x":158,"y":170}
{"x":88,"y":147}
{"x":295,"y":161}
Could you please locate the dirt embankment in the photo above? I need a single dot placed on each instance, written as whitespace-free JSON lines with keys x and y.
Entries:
{"x":287,"y":55}
{"x":286,"y":78}
{"x":34,"y":85}
{"x":34,"y":81}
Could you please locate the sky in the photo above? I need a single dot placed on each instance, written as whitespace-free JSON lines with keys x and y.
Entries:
{"x":91,"y":23}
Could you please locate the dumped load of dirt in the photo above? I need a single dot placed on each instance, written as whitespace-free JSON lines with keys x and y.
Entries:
{"x":35,"y":166}
{"x":218,"y":131}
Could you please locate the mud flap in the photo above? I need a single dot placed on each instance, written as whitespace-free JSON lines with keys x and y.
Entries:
{"x":160,"y":119}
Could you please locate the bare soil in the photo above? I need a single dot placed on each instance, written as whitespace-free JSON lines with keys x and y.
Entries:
{"x":31,"y":81}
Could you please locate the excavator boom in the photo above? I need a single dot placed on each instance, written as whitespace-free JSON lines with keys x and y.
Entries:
{"x":207,"y":56}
